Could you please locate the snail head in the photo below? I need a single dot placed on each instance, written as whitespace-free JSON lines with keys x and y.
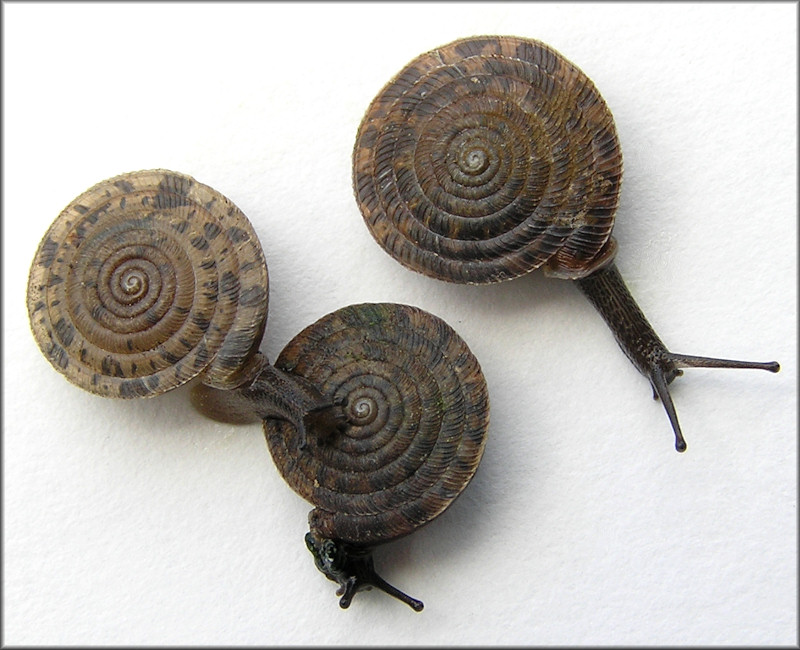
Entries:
{"x":353,"y":569}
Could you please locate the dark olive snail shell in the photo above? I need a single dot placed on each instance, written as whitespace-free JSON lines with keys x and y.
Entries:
{"x":145,"y":281}
{"x":492,"y":156}
{"x":417,"y":411}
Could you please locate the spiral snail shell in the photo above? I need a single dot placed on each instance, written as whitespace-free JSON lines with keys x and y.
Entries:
{"x":486,"y":158}
{"x":145,"y":281}
{"x":417,"y":411}
{"x":492,"y":156}
{"x":150,"y":279}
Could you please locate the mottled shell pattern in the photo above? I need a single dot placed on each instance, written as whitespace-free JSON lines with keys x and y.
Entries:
{"x":487,"y":158}
{"x":417,"y":409}
{"x":145,"y":281}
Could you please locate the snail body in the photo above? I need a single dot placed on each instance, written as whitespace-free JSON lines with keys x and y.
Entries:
{"x":150,"y":279}
{"x":416,"y":410}
{"x":493,"y":156}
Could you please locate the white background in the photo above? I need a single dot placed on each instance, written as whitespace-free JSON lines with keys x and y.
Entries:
{"x":139,"y":522}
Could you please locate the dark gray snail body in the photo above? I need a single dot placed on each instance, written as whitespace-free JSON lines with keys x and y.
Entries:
{"x":490,"y":157}
{"x":377,"y":413}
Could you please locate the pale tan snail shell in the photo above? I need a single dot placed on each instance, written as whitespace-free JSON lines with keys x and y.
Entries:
{"x":145,"y":281}
{"x":150,"y":279}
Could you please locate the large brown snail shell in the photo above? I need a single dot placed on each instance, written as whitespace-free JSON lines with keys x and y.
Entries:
{"x":492,"y":156}
{"x":487,"y":158}
{"x":417,"y":411}
{"x":147,"y":280}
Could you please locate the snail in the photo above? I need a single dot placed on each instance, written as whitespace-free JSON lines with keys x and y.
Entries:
{"x":416,"y":410}
{"x":376,"y":413}
{"x":492,"y":156}
{"x":417,"y":413}
{"x":150,"y":279}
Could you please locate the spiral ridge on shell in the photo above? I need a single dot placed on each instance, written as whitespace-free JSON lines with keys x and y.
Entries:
{"x":417,"y":410}
{"x":145,"y":281}
{"x":487,"y":158}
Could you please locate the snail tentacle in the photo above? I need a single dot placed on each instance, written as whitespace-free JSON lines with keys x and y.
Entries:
{"x":353,"y":568}
{"x":609,"y":294}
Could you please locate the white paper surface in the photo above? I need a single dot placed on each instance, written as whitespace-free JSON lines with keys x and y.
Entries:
{"x":140,"y":522}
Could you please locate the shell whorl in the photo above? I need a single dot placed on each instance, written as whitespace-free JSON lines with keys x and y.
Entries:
{"x":487,"y":158}
{"x":417,"y":409}
{"x":147,"y":280}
